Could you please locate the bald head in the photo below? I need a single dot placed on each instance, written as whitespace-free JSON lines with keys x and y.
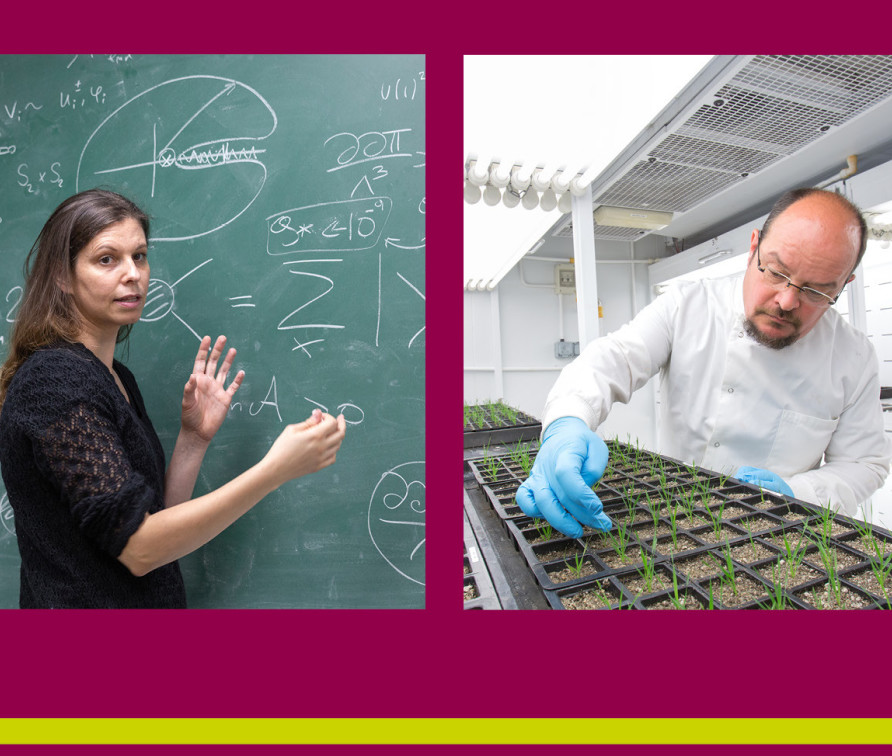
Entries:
{"x":826,"y":207}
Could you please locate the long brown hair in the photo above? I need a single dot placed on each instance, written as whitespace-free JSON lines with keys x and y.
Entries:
{"x":47,"y":314}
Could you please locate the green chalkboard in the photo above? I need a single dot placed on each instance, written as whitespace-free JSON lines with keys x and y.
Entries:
{"x":287,"y":198}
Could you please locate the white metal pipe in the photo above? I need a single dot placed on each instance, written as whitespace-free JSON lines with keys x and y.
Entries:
{"x":497,"y":341}
{"x":586,"y":273}
{"x":857,"y":302}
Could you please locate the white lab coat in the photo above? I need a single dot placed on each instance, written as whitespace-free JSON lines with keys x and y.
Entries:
{"x":727,"y":401}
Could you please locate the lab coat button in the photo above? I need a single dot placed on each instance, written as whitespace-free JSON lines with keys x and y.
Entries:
{"x":717,"y":444}
{"x":740,"y":334}
{"x":730,"y":390}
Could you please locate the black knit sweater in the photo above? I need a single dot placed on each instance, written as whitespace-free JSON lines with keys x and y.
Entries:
{"x":82,"y":468}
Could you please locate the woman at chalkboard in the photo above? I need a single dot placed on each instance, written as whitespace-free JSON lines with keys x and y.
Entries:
{"x":99,"y":521}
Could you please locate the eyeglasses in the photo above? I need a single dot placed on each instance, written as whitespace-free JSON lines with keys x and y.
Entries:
{"x":780,"y":281}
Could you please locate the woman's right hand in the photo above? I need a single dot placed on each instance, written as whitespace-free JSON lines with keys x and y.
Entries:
{"x":306,"y":447}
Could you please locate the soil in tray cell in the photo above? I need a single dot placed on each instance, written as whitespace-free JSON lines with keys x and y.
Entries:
{"x":558,"y":550}
{"x":789,"y":574}
{"x":600,"y":595}
{"x":729,"y":511}
{"x":709,"y":535}
{"x":872,"y":545}
{"x":684,"y":522}
{"x":621,"y":557}
{"x":761,"y":501}
{"x":666,"y":546}
{"x":826,"y":596}
{"x":752,"y":551}
{"x":470,"y":589}
{"x":757,"y":524}
{"x":731,"y":595}
{"x":686,"y":599}
{"x":699,"y":566}
{"x":570,"y":572}
{"x":870,"y":581}
{"x":839,"y":558}
{"x":639,"y":583}
{"x":645,"y":531}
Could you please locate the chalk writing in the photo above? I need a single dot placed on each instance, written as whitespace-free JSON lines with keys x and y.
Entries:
{"x":270,"y":400}
{"x":371,"y":146}
{"x":7,"y":517}
{"x":353,"y":415}
{"x":24,"y":177}
{"x":344,"y":226}
{"x":160,"y":299}
{"x":7,"y":149}
{"x":110,"y":58}
{"x":14,"y":113}
{"x":396,"y":519}
{"x":193,"y":149}
{"x":411,"y":286}
{"x":15,"y":296}
{"x":407,"y":89}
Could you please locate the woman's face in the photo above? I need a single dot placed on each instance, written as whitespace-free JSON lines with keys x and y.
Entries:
{"x":110,"y":279}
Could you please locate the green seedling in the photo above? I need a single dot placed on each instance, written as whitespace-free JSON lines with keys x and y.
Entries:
{"x":577,"y":562}
{"x":509,"y":413}
{"x":793,"y":555}
{"x":754,"y":546}
{"x":491,"y":463}
{"x":676,"y":600}
{"x":870,"y":540}
{"x":520,"y":455}
{"x":828,"y":557}
{"x":727,"y":567}
{"x":824,"y":524}
{"x":673,"y":525}
{"x":544,"y":529}
{"x":648,"y":573}
{"x":618,"y":542}
{"x":882,"y":567}
{"x":777,"y":597}
{"x":715,"y":517}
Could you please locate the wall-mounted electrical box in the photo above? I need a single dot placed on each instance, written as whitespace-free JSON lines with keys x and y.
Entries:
{"x":565,"y":278}
{"x":566,"y":348}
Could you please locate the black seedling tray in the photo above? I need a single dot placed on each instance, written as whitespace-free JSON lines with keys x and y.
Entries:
{"x":498,"y":426}
{"x":753,"y":525}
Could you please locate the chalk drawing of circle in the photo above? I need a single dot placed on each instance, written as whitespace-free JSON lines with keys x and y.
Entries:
{"x":184,"y":139}
{"x":159,"y":301}
{"x":6,"y":515}
{"x":167,"y":157}
{"x":396,"y":519}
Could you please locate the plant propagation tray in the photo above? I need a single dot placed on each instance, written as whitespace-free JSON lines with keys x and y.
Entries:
{"x":497,"y":423}
{"x":689,"y":538}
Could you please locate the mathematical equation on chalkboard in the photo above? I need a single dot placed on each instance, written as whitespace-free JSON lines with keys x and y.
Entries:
{"x":218,"y":141}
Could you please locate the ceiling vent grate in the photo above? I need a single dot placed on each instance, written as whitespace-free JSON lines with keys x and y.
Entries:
{"x":770,"y":108}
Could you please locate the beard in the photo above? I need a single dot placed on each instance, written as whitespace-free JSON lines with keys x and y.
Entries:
{"x":772,"y":342}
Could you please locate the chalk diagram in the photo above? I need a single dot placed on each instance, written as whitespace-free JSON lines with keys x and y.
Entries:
{"x":195,"y":136}
{"x":6,"y":514}
{"x":161,"y":297}
{"x":396,"y":519}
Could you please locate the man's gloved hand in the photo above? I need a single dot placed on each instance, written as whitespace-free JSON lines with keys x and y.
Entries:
{"x":570,"y":461}
{"x":764,"y":479}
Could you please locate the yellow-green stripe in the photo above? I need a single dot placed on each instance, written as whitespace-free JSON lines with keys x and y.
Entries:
{"x":48,"y":731}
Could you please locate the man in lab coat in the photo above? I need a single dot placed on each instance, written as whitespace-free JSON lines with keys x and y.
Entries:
{"x":760,"y":377}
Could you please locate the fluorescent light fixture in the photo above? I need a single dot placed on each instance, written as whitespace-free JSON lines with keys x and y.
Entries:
{"x":626,"y":217}
{"x":714,"y":256}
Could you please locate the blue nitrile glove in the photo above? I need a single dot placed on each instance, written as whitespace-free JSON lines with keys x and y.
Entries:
{"x":764,"y":479}
{"x":570,"y":461}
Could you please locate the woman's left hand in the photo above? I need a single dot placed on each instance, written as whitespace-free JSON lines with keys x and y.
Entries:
{"x":206,"y":398}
